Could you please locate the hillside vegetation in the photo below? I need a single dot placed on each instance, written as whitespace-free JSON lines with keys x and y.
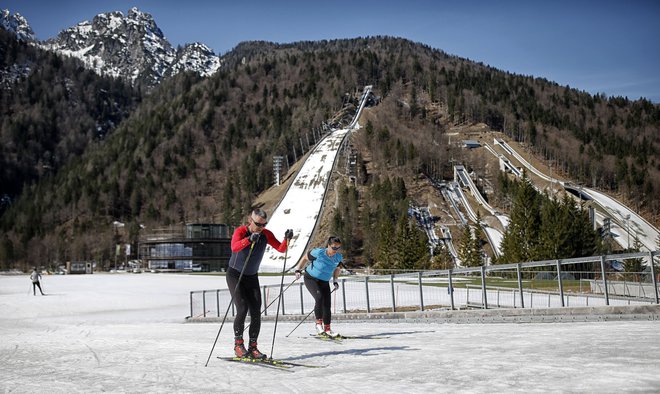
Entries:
{"x":200,"y":149}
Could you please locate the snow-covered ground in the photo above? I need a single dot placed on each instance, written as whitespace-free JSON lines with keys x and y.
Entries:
{"x":126,"y":333}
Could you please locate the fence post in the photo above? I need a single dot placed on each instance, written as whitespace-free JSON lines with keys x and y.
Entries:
{"x":467,"y":294}
{"x":191,"y":303}
{"x":204,"y":302}
{"x":514,"y":298}
{"x":343,"y":293}
{"x":366,"y":289}
{"x":392,"y":288}
{"x":263,"y":297}
{"x":602,"y":272}
{"x":483,"y":287}
{"x":654,"y":280}
{"x":421,"y":292}
{"x":520,"y":288}
{"x":302,"y":312}
{"x":561,"y":287}
{"x":282,"y":302}
{"x":217,"y":302}
{"x":450,"y":290}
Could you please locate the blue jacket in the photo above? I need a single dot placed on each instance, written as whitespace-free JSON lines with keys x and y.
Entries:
{"x":322,"y":266}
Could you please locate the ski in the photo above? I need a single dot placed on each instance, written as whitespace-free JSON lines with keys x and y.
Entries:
{"x":363,"y":337}
{"x":270,"y":363}
{"x":294,"y":364}
{"x":340,"y":337}
{"x":259,"y":362}
{"x":322,"y":337}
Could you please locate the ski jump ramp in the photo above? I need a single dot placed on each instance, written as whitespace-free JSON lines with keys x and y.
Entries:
{"x":301,"y":206}
{"x":627,"y":224}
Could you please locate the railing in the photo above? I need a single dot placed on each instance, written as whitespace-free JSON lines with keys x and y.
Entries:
{"x":540,"y":284}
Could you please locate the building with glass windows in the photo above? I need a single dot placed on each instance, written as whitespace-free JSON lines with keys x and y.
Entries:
{"x":193,"y":247}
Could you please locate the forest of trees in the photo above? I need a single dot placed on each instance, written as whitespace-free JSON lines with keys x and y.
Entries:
{"x":52,"y":110}
{"x":200,"y":149}
{"x":545,"y":228}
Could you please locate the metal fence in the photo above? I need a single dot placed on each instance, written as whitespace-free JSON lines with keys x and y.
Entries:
{"x":586,"y":281}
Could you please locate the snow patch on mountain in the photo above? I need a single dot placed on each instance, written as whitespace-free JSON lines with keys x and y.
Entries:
{"x":16,"y":24}
{"x":131,"y":47}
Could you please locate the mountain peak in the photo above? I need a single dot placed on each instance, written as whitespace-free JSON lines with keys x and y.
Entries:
{"x":17,"y":24}
{"x":131,"y":47}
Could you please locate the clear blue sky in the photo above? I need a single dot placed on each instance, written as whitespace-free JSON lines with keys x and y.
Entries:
{"x":605,"y":46}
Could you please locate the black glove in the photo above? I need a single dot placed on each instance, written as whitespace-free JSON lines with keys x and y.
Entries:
{"x":254,"y":237}
{"x":336,"y":285}
{"x":288,"y":234}
{"x":298,"y":274}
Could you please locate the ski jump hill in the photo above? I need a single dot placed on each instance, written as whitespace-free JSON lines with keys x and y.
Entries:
{"x":626,"y":225}
{"x":301,"y":206}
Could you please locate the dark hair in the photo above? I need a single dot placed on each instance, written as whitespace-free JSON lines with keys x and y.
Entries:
{"x":334,"y":240}
{"x":261,"y":213}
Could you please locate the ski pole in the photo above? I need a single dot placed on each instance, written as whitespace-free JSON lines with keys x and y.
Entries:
{"x":277,"y":315}
{"x":273,"y":301}
{"x":231,"y":301}
{"x":303,"y":320}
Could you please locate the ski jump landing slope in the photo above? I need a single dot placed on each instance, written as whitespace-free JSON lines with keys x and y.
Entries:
{"x":494,"y":235}
{"x":301,"y":206}
{"x":626,"y":225}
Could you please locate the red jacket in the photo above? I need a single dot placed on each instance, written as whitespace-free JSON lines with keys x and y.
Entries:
{"x":241,"y":249}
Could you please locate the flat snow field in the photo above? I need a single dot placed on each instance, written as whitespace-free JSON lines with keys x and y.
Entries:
{"x":126,"y":333}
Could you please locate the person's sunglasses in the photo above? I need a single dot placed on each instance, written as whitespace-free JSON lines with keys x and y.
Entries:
{"x":260,"y":224}
{"x":335,"y":247}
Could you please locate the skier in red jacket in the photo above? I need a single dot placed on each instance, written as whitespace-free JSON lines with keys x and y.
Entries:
{"x":248,"y":245}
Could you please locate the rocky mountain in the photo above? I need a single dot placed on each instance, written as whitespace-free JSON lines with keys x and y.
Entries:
{"x":131,"y":47}
{"x":195,"y":57}
{"x":17,"y":24}
{"x":200,"y":149}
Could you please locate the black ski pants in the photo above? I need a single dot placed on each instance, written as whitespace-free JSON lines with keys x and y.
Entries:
{"x":247,"y":298}
{"x":320,"y":290}
{"x":34,"y":288}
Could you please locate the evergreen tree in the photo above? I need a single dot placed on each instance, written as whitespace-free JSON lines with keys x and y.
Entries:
{"x":385,"y":241}
{"x":468,"y":250}
{"x":411,"y":246}
{"x":555,"y":231}
{"x":584,"y":239}
{"x":521,"y":237}
{"x":633,"y":267}
{"x":442,"y":258}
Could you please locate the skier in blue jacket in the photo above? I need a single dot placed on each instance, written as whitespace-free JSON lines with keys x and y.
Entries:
{"x":324,"y":264}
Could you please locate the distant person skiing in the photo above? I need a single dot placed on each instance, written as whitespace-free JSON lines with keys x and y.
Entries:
{"x":36,"y":277}
{"x":325,"y":265}
{"x":248,"y":244}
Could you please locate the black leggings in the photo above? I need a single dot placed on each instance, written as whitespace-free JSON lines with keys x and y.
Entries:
{"x":320,"y":290}
{"x":247,"y":298}
{"x":34,"y":288}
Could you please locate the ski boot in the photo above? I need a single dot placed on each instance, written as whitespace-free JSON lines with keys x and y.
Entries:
{"x":239,"y":348}
{"x":329,"y":333}
{"x":254,"y":352}
{"x":319,"y":327}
